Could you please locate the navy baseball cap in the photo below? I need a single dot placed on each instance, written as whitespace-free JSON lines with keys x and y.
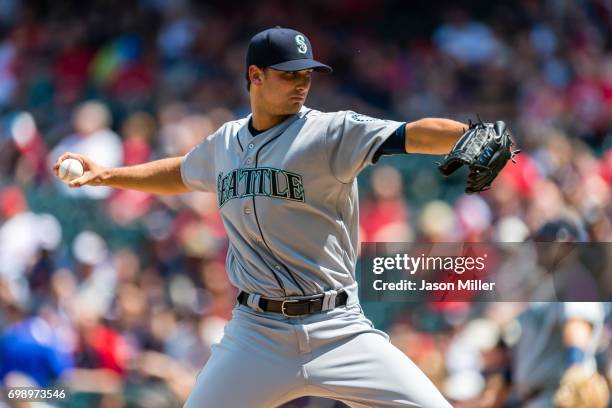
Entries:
{"x":282,"y":49}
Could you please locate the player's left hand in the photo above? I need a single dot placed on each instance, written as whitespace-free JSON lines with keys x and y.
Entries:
{"x":485,"y":148}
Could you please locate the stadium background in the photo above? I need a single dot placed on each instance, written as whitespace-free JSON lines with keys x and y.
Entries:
{"x":120,"y":294}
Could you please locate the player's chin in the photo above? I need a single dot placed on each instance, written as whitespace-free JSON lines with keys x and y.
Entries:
{"x":295,"y":105}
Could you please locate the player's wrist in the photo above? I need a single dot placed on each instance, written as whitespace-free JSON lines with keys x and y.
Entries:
{"x":107,"y":176}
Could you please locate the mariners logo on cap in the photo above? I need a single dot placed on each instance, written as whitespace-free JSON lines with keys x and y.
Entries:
{"x":301,"y":44}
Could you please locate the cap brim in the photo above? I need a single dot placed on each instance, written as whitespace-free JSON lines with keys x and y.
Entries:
{"x":300,"y":64}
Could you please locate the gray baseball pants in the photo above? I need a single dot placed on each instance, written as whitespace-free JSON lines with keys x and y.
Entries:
{"x":267,"y":359}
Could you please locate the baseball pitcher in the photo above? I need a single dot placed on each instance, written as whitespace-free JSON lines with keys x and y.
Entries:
{"x":285,"y":177}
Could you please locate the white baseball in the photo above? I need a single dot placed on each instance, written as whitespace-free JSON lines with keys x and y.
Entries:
{"x":69,"y":170}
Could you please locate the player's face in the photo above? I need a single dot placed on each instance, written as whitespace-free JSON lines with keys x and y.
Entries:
{"x":283,"y":92}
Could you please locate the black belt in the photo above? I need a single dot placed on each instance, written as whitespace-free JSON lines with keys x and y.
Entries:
{"x":294,"y":307}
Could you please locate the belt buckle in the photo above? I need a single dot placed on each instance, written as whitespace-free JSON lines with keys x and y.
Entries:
{"x":284,"y":312}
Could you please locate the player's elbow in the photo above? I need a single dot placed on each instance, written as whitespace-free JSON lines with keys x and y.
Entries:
{"x":180,"y":189}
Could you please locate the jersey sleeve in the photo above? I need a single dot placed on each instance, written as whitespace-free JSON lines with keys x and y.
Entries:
{"x":198,"y":166}
{"x":352,"y":141}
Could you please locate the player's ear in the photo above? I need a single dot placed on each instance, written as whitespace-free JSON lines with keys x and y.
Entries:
{"x":255,"y":74}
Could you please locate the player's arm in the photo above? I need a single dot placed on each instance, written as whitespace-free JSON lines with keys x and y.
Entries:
{"x":432,"y":135}
{"x":156,"y":177}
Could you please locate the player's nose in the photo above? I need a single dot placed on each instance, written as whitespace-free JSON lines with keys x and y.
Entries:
{"x":302,"y":86}
{"x":303,"y":81}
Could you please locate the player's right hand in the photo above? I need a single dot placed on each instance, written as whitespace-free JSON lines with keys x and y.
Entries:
{"x":93,"y":174}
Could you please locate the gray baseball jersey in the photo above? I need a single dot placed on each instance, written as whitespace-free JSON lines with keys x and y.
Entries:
{"x":288,"y":198}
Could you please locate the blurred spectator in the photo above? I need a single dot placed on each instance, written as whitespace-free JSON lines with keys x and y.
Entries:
{"x":466,"y":40}
{"x":96,"y":275}
{"x":138,"y":131}
{"x":93,"y":138}
{"x":30,"y":346}
{"x":385,"y":215}
{"x":438,"y":222}
{"x":474,"y":217}
{"x":550,"y":334}
{"x":555,"y":337}
{"x":23,"y":234}
{"x":99,"y":346}
{"x":30,"y":144}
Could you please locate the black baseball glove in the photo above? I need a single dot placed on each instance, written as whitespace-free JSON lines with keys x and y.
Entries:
{"x":485,"y":148}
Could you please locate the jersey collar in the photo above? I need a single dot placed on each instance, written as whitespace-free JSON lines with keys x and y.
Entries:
{"x":284,"y":124}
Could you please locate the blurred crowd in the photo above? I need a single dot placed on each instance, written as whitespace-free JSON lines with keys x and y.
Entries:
{"x":119,"y":295}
